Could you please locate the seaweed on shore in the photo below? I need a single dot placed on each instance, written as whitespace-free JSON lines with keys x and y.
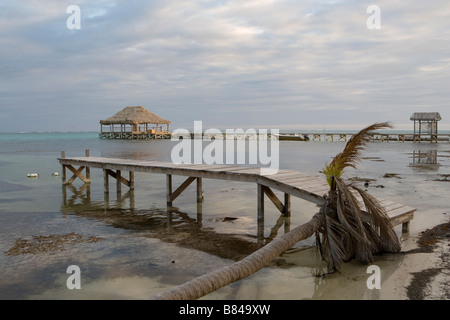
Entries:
{"x":48,"y":244}
{"x":427,"y":243}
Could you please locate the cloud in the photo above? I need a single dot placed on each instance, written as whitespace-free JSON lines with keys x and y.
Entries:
{"x":225,"y":62}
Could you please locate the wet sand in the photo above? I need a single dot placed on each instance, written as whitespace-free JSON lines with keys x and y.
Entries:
{"x":425,"y":271}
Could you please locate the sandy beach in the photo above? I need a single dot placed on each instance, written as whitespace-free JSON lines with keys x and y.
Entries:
{"x":425,"y":271}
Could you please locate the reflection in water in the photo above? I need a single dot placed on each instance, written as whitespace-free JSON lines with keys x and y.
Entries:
{"x":425,"y":159}
{"x":293,"y":270}
{"x":167,"y":224}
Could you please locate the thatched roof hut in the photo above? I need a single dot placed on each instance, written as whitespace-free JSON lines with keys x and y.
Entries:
{"x":425,"y":124}
{"x":136,"y":120}
{"x":134,"y":115}
{"x":426,"y":116}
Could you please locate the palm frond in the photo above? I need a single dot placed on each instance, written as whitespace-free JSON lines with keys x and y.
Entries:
{"x":379,"y":222}
{"x":356,"y":225}
{"x":332,"y":246}
{"x":351,"y":153}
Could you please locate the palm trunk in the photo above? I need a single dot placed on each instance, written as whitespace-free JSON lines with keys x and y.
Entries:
{"x":210,"y":282}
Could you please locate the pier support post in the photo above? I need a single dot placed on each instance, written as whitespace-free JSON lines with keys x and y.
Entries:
{"x":405,"y":227}
{"x":199,"y":190}
{"x":260,"y":215}
{"x":199,"y":214}
{"x":63,"y":155}
{"x":287,"y":205}
{"x":168,"y":188}
{"x":260,"y":200}
{"x":106,"y":199}
{"x":118,"y":181}
{"x":106,"y":180}
{"x":131,"y":180}
{"x":88,"y":170}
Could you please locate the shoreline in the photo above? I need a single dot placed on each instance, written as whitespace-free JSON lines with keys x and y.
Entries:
{"x":424,"y":272}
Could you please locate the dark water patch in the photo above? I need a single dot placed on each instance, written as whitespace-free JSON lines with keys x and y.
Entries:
{"x":391,"y":175}
{"x":177,"y":228}
{"x":4,"y":163}
{"x":15,"y":200}
{"x":38,"y":279}
{"x":9,"y":187}
{"x":445,"y":178}
{"x":30,"y":283}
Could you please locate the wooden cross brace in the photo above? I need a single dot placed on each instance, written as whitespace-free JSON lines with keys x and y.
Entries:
{"x":285,"y":208}
{"x":76,"y":173}
{"x":119,"y":178}
{"x":171,"y":196}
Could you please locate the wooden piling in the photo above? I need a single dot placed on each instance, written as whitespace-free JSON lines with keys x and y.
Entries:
{"x":287,"y":205}
{"x":106,"y":180}
{"x":168,"y":188}
{"x":199,"y":190}
{"x":131,"y":181}
{"x":88,"y":170}
{"x":118,"y":181}
{"x":63,"y":155}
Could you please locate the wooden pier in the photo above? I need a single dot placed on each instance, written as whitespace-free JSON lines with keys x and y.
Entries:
{"x":125,"y":135}
{"x":289,"y":182}
{"x":318,"y":136}
{"x":381,"y":137}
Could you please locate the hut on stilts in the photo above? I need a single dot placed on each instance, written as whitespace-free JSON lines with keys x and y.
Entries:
{"x":426,"y":126}
{"x":135,"y":123}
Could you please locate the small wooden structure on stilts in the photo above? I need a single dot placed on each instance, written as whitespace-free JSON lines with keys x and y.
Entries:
{"x":135,"y":123}
{"x":426,"y":125}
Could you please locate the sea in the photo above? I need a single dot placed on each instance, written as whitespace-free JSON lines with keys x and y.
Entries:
{"x":132,"y":245}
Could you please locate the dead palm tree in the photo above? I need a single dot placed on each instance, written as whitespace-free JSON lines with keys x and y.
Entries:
{"x":352,"y":224}
{"x":355,"y":224}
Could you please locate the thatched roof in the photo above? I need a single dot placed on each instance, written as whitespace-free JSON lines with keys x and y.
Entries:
{"x":134,"y":115}
{"x":426,"y":116}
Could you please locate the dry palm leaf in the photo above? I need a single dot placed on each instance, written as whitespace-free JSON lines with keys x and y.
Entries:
{"x":353,"y":228}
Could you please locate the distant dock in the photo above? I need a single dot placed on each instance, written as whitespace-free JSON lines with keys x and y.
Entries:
{"x":289,"y":136}
{"x":329,"y":136}
{"x":151,"y":135}
{"x":339,"y":136}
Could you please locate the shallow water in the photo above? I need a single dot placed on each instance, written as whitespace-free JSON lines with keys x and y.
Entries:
{"x":146,"y":247}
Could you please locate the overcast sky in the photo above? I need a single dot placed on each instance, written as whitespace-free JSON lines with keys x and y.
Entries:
{"x":252,"y":64}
